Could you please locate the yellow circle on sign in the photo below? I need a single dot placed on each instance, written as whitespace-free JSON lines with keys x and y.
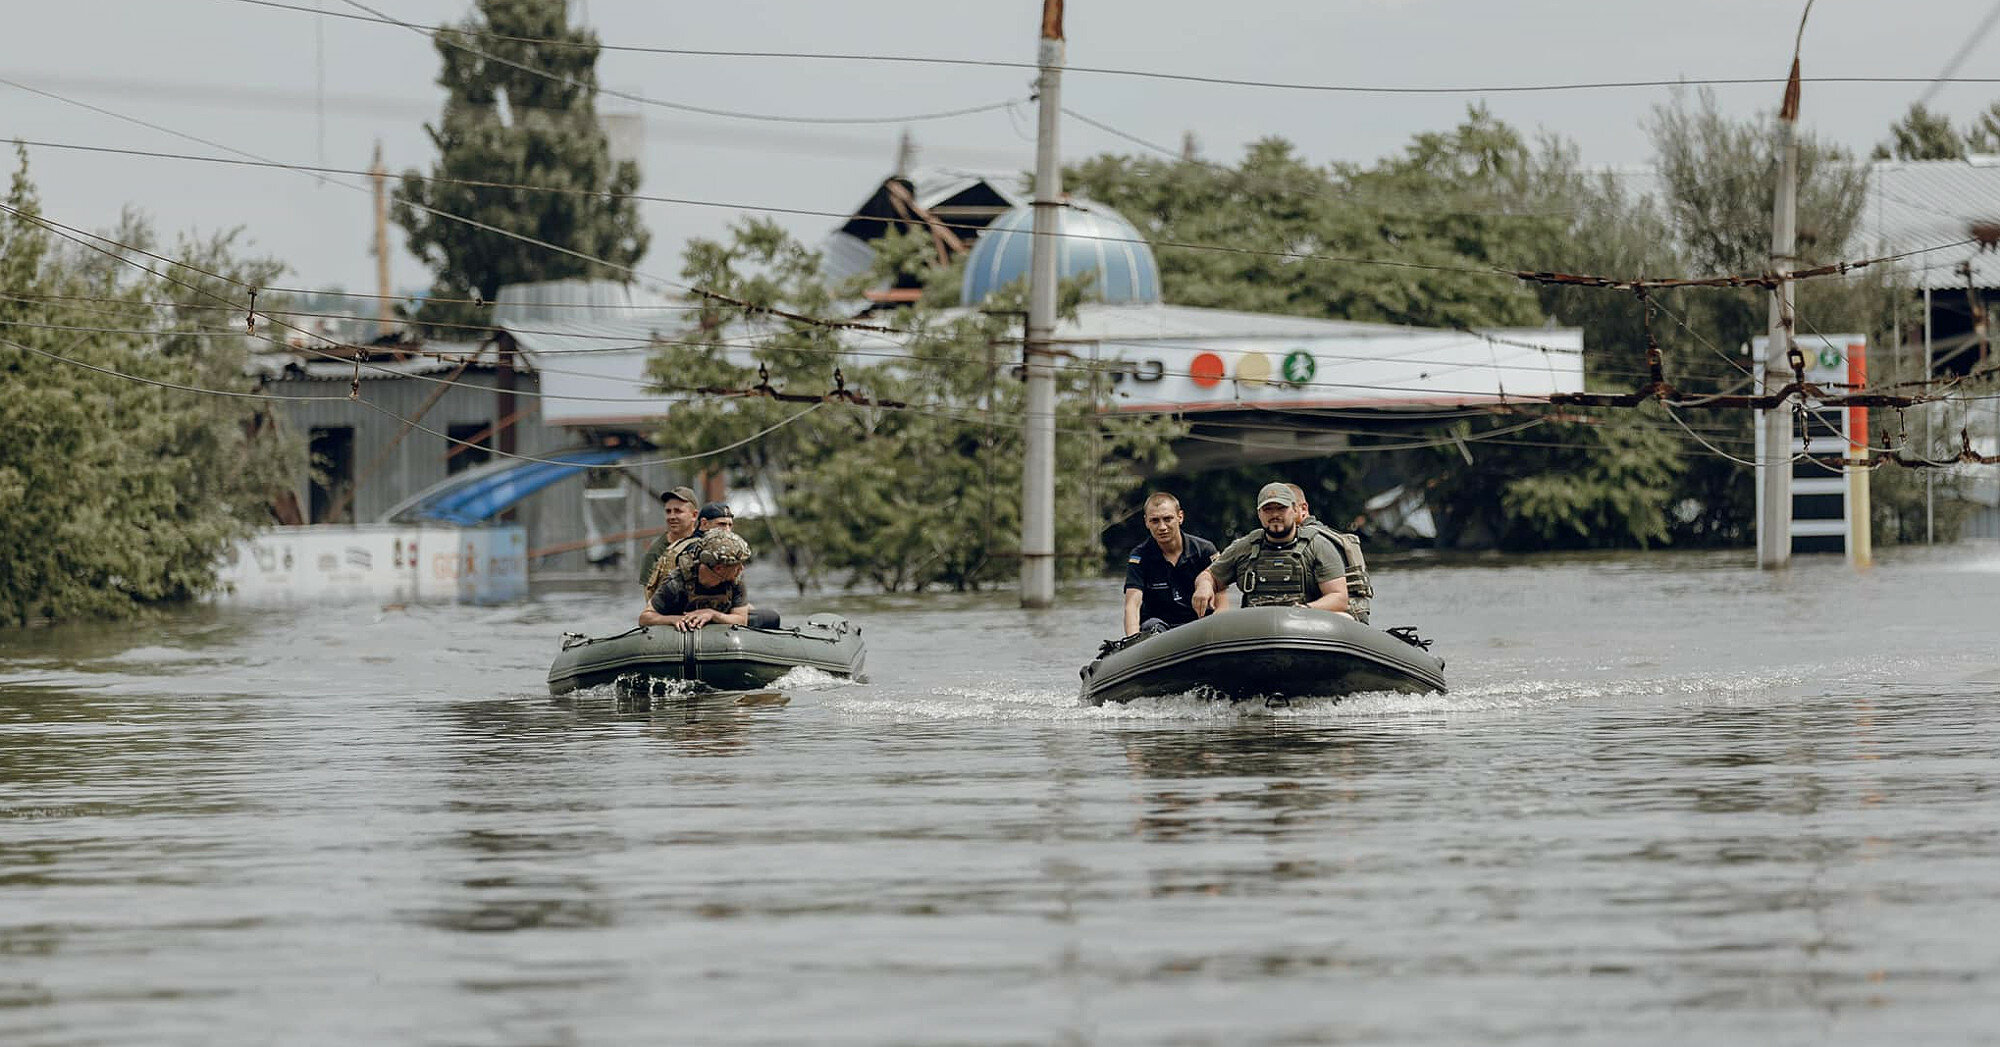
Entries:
{"x":1254,"y":369}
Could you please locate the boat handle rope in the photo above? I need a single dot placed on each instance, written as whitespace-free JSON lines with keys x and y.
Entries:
{"x":1408,"y":634}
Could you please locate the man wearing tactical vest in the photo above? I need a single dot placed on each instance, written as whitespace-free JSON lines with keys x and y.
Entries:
{"x":711,"y":592}
{"x":1279,"y":564}
{"x":1360,"y":591}
{"x":677,"y":504}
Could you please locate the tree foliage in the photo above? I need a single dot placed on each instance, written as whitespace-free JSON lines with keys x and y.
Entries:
{"x":1922,"y":135}
{"x":1446,"y":213}
{"x":905,"y":497}
{"x":503,"y":124}
{"x":1274,"y":203}
{"x":117,"y":495}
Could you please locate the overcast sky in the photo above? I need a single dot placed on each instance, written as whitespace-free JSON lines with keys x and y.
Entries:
{"x":300,"y":88}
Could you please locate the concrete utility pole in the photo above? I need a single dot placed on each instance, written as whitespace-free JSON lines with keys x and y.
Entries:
{"x":1930,"y":494}
{"x":1774,"y":527}
{"x":385,"y":315}
{"x":1038,"y":468}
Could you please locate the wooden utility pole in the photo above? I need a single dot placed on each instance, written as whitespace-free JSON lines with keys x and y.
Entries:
{"x":385,"y":313}
{"x":1774,"y":523}
{"x":1038,"y":468}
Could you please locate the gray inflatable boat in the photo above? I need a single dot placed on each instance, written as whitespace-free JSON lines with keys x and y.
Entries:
{"x":1267,"y":652}
{"x":728,"y":658}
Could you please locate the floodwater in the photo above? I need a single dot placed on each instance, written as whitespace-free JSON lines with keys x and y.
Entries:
{"x":1671,"y":800}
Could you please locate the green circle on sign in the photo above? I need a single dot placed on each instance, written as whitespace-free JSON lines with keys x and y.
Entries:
{"x":1299,"y":367}
{"x":1829,"y":357}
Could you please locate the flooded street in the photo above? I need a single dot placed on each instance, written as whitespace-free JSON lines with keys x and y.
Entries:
{"x":1670,"y":800}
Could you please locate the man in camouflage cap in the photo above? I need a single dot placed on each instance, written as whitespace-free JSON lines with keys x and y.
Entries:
{"x":1278,"y":563}
{"x":711,"y":591}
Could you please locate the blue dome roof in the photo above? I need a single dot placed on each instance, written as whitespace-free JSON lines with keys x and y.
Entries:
{"x":1095,"y":239}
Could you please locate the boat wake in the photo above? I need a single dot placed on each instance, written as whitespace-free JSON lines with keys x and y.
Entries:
{"x":807,"y":678}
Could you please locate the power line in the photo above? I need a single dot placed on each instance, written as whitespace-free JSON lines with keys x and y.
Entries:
{"x":700,"y":292}
{"x":1223,"y":81}
{"x":445,"y":36}
{"x":1345,"y":197}
{"x":1738,"y":280}
{"x":164,"y":384}
{"x":1972,"y":40}
{"x":966,"y":415}
{"x":312,"y":169}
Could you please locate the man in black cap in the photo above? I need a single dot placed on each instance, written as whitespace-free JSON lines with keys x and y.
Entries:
{"x":1277,"y":564}
{"x":677,"y":504}
{"x":715,"y":515}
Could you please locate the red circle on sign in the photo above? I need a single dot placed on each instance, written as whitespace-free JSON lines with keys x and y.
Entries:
{"x":1206,"y":370}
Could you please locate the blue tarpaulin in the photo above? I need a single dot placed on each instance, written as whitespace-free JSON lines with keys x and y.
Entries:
{"x":480,"y":495}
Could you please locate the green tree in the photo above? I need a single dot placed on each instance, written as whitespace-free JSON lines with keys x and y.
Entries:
{"x":1717,"y":184}
{"x":1576,"y":482}
{"x":901,"y":497}
{"x":1983,"y":136}
{"x":503,"y":124}
{"x":1922,"y":135}
{"x":1460,"y":206}
{"x":1277,"y":208}
{"x":118,"y":495}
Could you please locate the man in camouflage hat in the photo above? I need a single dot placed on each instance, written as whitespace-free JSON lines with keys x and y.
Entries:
{"x":711,"y":592}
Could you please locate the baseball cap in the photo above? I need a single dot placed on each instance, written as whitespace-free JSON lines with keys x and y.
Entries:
{"x":722,"y":548}
{"x":685,"y":494}
{"x":716,"y":511}
{"x":1276,"y":492}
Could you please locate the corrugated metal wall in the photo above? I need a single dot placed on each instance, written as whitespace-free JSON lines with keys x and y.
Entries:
{"x":552,"y":517}
{"x":1983,"y":523}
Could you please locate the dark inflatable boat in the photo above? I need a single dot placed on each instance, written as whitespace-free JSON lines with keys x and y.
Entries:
{"x":1268,"y":652}
{"x":728,"y":658}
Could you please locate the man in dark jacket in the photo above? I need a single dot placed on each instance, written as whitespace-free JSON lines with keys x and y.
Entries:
{"x":1160,"y":573}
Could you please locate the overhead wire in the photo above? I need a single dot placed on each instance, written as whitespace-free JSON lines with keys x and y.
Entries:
{"x":1838,"y":268}
{"x":1224,"y":81}
{"x":700,"y":292}
{"x":1595,"y":281}
{"x":445,"y":36}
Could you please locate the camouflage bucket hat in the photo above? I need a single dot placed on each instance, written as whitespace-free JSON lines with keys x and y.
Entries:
{"x":722,"y":548}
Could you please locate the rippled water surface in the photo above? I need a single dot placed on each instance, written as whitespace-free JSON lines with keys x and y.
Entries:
{"x":1671,"y":800}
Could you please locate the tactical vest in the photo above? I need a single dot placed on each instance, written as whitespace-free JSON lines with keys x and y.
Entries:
{"x":1276,"y":575}
{"x":700,"y":599}
{"x":685,"y":551}
{"x":1358,"y":586}
{"x":672,"y":557}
